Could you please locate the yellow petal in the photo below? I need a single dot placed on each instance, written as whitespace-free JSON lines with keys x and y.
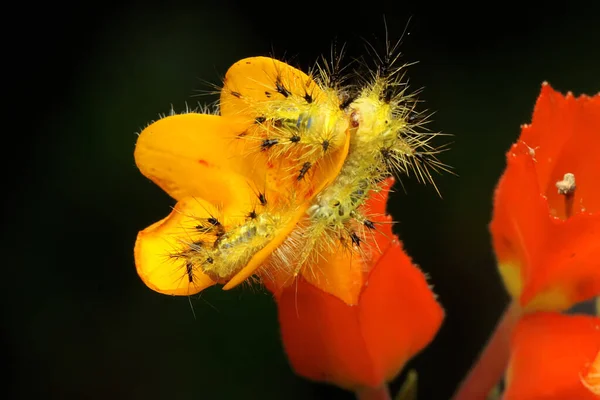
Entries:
{"x":253,"y":80}
{"x":157,"y":246}
{"x":199,"y":155}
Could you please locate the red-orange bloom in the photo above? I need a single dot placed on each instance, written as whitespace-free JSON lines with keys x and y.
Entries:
{"x":552,"y":358}
{"x":548,"y":243}
{"x":367,"y":341}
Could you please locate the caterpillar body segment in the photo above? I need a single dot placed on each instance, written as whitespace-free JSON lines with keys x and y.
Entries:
{"x":337,"y":212}
{"x":200,"y":245}
{"x":331,"y":167}
{"x":384,"y":142}
{"x":385,"y":106}
{"x":160,"y":249}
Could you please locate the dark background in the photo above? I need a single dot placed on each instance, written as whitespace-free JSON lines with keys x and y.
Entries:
{"x":78,"y":323}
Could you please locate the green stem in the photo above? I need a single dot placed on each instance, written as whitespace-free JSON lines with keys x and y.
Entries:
{"x":492,"y":362}
{"x":379,"y":393}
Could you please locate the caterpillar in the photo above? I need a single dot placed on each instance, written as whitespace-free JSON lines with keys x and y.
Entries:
{"x":321,"y":149}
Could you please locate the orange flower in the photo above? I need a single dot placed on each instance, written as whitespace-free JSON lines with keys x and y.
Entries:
{"x":552,"y":357}
{"x":546,"y":222}
{"x":390,"y":316}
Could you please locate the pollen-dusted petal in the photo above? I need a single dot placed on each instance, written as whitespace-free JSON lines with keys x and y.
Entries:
{"x":199,"y":155}
{"x":366,"y":344}
{"x":550,"y":352}
{"x":564,"y":137}
{"x":262,"y":79}
{"x":159,"y":250}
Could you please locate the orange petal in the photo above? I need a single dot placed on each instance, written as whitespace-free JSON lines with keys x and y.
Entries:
{"x":377,"y":203}
{"x":198,"y":155}
{"x":253,"y":80}
{"x":568,"y":272}
{"x":549,"y":263}
{"x":156,"y":246}
{"x":550,"y":353}
{"x":342,"y":271}
{"x":564,"y":136}
{"x":363,"y":345}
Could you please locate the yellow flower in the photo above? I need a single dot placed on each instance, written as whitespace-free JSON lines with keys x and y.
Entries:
{"x":232,"y":196}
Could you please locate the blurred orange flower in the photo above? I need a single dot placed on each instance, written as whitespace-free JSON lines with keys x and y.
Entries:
{"x":552,"y":358}
{"x":546,"y":221}
{"x":365,"y":340}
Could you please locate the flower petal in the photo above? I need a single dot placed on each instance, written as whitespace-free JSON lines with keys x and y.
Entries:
{"x":519,"y":219}
{"x":363,"y":345}
{"x":569,"y":271}
{"x":564,"y":135}
{"x":547,"y":243}
{"x":396,"y":285}
{"x":254,"y":80}
{"x":342,"y":271}
{"x":198,"y":155}
{"x":550,"y":353}
{"x":549,"y":263}
{"x":156,"y":248}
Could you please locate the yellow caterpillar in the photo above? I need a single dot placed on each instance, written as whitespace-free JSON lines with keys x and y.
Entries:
{"x":320,"y":152}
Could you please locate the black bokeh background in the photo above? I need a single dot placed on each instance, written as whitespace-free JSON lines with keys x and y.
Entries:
{"x":78,"y":323}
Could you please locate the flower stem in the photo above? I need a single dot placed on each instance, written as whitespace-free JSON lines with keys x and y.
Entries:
{"x":492,"y":362}
{"x":379,"y":393}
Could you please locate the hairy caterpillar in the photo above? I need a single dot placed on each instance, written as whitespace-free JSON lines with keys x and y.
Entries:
{"x":320,"y":149}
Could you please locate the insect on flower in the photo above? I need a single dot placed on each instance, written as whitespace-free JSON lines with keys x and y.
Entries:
{"x":279,"y":176}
